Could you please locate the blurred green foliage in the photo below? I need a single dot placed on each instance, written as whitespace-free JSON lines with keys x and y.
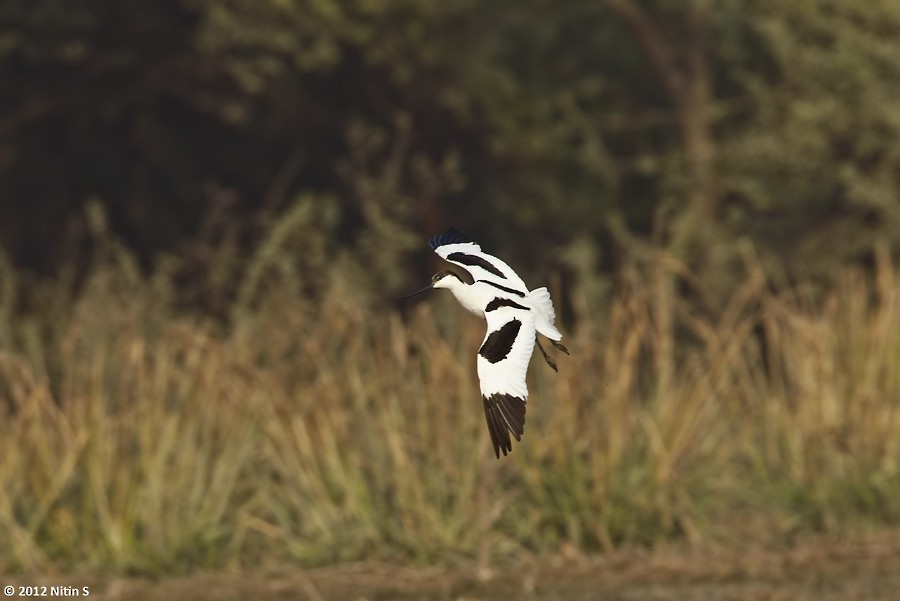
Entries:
{"x":620,"y":124}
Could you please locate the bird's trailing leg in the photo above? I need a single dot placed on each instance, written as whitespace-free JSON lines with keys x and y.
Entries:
{"x":560,"y":346}
{"x":547,"y":357}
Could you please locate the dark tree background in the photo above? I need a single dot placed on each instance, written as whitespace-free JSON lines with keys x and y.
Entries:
{"x":613,"y":125}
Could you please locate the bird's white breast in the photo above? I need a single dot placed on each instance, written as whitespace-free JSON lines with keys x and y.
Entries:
{"x":474,"y":297}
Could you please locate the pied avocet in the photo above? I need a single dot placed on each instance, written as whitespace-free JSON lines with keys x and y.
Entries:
{"x":514,"y":316}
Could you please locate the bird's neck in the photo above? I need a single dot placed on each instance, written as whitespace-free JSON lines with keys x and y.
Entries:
{"x":469,"y":297}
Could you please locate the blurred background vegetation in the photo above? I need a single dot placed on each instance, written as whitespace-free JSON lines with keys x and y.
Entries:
{"x":685,"y":125}
{"x":207,"y":207}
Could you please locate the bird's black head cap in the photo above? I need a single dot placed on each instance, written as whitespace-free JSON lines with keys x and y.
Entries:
{"x":443,"y":274}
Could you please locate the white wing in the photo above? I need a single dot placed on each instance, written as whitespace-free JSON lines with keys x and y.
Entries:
{"x":502,"y":363}
{"x":459,"y":250}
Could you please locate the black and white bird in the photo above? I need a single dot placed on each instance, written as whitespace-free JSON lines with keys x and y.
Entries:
{"x":514,"y":314}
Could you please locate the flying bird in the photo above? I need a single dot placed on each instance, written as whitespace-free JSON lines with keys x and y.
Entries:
{"x":514,"y":314}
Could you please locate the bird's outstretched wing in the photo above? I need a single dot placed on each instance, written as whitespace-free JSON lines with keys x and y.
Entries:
{"x":459,"y":250}
{"x":502,"y":363}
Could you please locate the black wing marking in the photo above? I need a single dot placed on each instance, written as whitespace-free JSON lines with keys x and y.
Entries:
{"x":499,"y":342}
{"x":456,"y":248}
{"x":505,"y":414}
{"x":451,"y":236}
{"x":499,"y":301}
{"x":503,"y":288}
{"x":474,"y":261}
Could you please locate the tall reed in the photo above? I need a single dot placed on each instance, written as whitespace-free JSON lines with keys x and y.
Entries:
{"x":133,"y":438}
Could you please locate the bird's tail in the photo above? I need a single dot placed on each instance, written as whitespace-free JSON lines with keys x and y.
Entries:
{"x":544,"y":315}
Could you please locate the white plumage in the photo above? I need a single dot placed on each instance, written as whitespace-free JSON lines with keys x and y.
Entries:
{"x":514,"y":314}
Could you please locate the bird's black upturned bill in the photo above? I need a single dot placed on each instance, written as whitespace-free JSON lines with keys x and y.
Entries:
{"x":425,"y":289}
{"x":446,"y":273}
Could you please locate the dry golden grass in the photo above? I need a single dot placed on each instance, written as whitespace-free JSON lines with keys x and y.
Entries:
{"x":134,"y":439}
